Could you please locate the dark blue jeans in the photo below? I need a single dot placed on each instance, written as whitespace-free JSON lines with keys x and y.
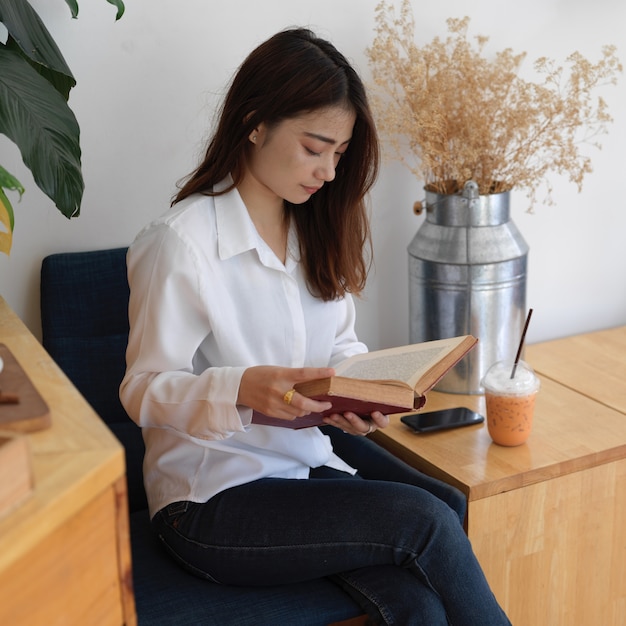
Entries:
{"x":391,"y":537}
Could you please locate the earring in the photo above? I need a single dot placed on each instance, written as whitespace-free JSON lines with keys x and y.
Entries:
{"x":253,"y":139}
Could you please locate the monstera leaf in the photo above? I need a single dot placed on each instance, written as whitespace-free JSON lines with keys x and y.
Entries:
{"x":37,"y":118}
{"x":35,"y":83}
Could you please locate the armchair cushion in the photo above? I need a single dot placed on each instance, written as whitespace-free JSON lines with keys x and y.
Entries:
{"x":168,"y":596}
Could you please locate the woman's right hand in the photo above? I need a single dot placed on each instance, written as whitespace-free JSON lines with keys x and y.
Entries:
{"x":263,"y":389}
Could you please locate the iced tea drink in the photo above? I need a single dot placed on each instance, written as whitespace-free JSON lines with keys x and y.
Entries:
{"x":510,"y":402}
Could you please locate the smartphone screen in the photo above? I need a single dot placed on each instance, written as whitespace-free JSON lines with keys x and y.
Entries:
{"x":440,"y":420}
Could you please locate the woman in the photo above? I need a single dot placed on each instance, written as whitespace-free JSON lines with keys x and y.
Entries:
{"x":243,"y":289}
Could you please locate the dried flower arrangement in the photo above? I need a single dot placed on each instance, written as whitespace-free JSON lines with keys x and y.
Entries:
{"x":451,"y":115}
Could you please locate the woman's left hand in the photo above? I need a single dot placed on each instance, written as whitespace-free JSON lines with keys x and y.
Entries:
{"x":352,"y":423}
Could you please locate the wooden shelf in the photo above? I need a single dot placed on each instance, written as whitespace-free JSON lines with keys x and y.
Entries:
{"x":68,"y":545}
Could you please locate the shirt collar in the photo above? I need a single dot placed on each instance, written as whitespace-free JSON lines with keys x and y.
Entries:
{"x":236,"y":232}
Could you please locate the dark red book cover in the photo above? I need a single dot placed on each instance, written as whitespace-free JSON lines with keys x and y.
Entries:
{"x":340,"y":405}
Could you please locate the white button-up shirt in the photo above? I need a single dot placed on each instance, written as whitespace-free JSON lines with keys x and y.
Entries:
{"x":209,"y":298}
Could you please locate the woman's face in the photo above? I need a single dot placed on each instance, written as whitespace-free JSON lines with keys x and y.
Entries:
{"x":293,"y":159}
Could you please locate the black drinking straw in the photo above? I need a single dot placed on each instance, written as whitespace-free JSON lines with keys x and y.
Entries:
{"x":521,"y":342}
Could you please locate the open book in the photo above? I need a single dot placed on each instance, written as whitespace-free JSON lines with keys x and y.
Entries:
{"x":394,"y":380}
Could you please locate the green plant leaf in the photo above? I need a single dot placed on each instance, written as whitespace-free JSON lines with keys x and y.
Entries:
{"x":120,"y":8}
{"x":28,"y":33}
{"x":6,"y":219}
{"x":8,"y":181}
{"x":73,"y":5}
{"x":37,"y":118}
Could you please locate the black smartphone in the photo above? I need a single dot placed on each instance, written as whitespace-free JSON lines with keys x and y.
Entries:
{"x":440,"y":420}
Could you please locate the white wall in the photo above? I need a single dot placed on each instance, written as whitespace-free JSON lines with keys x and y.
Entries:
{"x":147,"y":87}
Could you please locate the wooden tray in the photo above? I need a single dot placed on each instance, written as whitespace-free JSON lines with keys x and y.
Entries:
{"x":31,"y":412}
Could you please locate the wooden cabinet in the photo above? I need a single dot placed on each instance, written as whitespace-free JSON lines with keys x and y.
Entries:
{"x":65,"y":552}
{"x":547,"y":519}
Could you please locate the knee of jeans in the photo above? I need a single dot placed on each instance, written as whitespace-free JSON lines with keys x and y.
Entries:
{"x":423,"y":510}
{"x":458,"y":503}
{"x":443,"y":517}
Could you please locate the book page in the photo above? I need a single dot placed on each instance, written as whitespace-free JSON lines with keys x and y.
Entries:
{"x":396,"y":365}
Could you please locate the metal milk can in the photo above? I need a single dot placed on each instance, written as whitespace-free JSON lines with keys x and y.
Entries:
{"x":467,"y":275}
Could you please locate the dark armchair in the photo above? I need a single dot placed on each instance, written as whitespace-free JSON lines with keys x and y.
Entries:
{"x":84,"y":301}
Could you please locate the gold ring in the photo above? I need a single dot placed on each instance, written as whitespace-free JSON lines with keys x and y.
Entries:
{"x":288,"y":396}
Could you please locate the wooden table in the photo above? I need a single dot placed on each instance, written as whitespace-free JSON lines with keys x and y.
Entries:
{"x":593,"y":364}
{"x":65,"y":552}
{"x":547,"y":519}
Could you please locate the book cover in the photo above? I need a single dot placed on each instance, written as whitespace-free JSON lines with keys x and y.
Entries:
{"x":393,"y":380}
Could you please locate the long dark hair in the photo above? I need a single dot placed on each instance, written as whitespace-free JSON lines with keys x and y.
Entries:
{"x":292,"y":73}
